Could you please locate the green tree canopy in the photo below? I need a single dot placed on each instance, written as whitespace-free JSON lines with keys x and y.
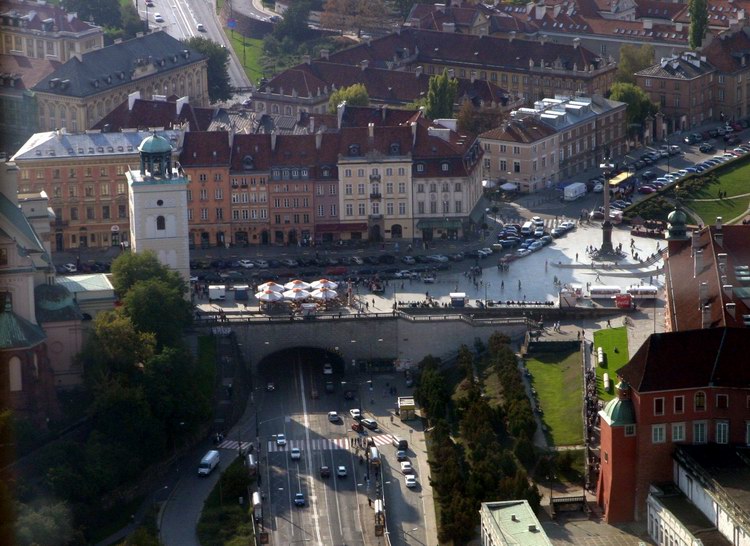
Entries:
{"x":639,"y":104}
{"x":295,"y":23}
{"x":219,"y":87}
{"x":105,"y":13}
{"x":354,"y":95}
{"x":698,"y":10}
{"x":129,"y":268}
{"x":159,"y":308}
{"x":44,"y":524}
{"x":353,"y":15}
{"x":632,"y":59}
{"x":441,"y":96}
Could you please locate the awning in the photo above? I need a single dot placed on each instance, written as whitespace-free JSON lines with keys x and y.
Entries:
{"x":509,"y":186}
{"x":337,"y":228}
{"x":439,"y":223}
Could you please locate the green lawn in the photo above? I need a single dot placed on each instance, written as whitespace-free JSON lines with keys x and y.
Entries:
{"x":728,"y":209}
{"x":557,"y":379}
{"x":614,"y":341}
{"x":249,"y":54}
{"x":732,"y":180}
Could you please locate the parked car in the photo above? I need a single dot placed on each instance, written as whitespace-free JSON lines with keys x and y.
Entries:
{"x":410,"y":481}
{"x":406,"y":467}
{"x":370,"y":423}
{"x":355,"y":414}
{"x":334,"y":417}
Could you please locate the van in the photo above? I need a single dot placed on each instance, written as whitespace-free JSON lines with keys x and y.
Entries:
{"x":400,"y":443}
{"x":209,"y":461}
{"x":528,"y":228}
{"x":252,"y":464}
{"x":374,"y":456}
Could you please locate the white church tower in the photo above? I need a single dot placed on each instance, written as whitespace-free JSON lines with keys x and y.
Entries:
{"x":158,"y":206}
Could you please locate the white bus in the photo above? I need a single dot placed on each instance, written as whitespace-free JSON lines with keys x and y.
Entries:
{"x":643,"y":292}
{"x":604,"y":292}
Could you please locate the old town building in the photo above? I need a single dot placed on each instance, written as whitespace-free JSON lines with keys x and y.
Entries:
{"x":84,"y":176}
{"x":88,"y":86}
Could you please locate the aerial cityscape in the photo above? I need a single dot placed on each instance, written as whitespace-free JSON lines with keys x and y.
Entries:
{"x":375,"y":273}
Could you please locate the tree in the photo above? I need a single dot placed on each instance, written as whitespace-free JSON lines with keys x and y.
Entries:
{"x":219,"y":87}
{"x":441,"y":96}
{"x":476,"y":121}
{"x":632,"y":59}
{"x":158,"y":308}
{"x":105,"y":13}
{"x":354,"y":95}
{"x":129,"y":268}
{"x":698,"y":10}
{"x":353,"y":15}
{"x":639,"y":104}
{"x":295,"y":23}
{"x":49,"y":524}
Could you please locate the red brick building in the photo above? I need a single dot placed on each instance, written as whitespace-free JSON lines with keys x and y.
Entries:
{"x":689,"y":387}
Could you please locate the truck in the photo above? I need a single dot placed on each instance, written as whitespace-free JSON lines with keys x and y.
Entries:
{"x":257,"y":507}
{"x":574,"y":191}
{"x":217,"y":292}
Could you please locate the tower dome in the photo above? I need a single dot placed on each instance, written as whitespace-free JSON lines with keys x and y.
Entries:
{"x":619,"y":411}
{"x":676,"y":225}
{"x":156,"y":157}
{"x":155,"y":144}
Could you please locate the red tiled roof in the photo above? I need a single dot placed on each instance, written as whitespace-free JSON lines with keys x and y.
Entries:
{"x":525,"y":130}
{"x":653,"y":9}
{"x":684,"y":281}
{"x":35,"y":13}
{"x":692,"y":359}
{"x":256,"y":146}
{"x":156,"y":113}
{"x":727,"y":51}
{"x":205,"y":149}
{"x":31,"y":70}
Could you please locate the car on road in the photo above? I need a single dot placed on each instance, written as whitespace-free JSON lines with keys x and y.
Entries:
{"x":357,"y":427}
{"x":355,"y":414}
{"x":280,"y":440}
{"x":401,"y":455}
{"x":538,"y":232}
{"x":557,"y":232}
{"x":289,"y":262}
{"x":406,"y":467}
{"x":261,"y":264}
{"x":325,"y":472}
{"x":341,"y":471}
{"x":270,"y":386}
{"x":410,"y":481}
{"x":598,"y":188}
{"x":158,"y":18}
{"x":568,"y":225}
{"x":408,"y":260}
{"x":299,"y":499}
{"x":372,"y":424}
{"x":275,"y":19}
{"x":536,"y":245}
{"x":334,"y":417}
{"x":247,"y":264}
{"x":295,"y":454}
{"x":693,"y":138}
{"x":706,"y":148}
{"x":438,"y":258}
{"x":70,"y":268}
{"x":149,"y":3}
{"x":429,"y":278}
{"x":327,"y":369}
{"x":200,"y":27}
{"x":537,"y":220}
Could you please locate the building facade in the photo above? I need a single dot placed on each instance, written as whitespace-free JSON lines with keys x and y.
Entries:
{"x":730,"y":55}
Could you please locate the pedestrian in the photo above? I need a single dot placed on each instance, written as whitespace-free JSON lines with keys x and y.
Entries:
{"x":598,"y":278}
{"x":609,"y":324}
{"x":576,"y":256}
{"x":502,"y":285}
{"x":519,"y":284}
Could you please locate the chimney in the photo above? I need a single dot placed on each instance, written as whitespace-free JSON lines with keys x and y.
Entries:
{"x":273,"y":141}
{"x":318,"y":140}
{"x":576,"y":43}
{"x":731,"y":310}
{"x":324,"y":54}
{"x":414,"y":132}
{"x":364,"y":63}
{"x":371,"y":131}
{"x":719,"y":222}
{"x":132,"y":97}
{"x":648,"y":24}
{"x":727,"y":288}
{"x":306,"y":59}
{"x":532,"y":528}
{"x":311,"y":125}
{"x":678,"y":27}
{"x":703,"y":293}
{"x":706,"y":316}
{"x":511,"y":36}
{"x":719,"y":237}
{"x":473,"y":76}
{"x":449,"y":27}
{"x":440,"y":8}
{"x":418,"y":71}
{"x":722,"y":257}
{"x":698,"y":262}
{"x":513,"y":517}
{"x":543,"y":39}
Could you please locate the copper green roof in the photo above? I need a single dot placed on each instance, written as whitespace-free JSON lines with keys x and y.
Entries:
{"x":18,"y":333}
{"x":677,"y":217}
{"x":155,"y":144}
{"x":619,"y":412}
{"x":55,"y":303}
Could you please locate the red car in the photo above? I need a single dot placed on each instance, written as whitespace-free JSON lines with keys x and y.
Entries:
{"x":646,"y":189}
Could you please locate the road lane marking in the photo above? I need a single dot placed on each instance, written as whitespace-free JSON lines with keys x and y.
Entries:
{"x":308,"y":453}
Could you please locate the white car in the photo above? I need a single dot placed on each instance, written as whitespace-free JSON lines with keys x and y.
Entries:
{"x":327,"y":369}
{"x":158,"y":18}
{"x":538,"y":221}
{"x":439,"y":258}
{"x":428,"y":279}
{"x":280,"y":440}
{"x":357,"y":260}
{"x":200,"y":27}
{"x":356,"y":414}
{"x":247,"y":264}
{"x":295,"y":454}
{"x":406,"y":467}
{"x":403,"y":274}
{"x":408,"y":260}
{"x":70,"y":268}
{"x":410,"y":481}
{"x":333,"y":417}
{"x":598,"y":188}
{"x":487,"y":251}
{"x":341,"y":471}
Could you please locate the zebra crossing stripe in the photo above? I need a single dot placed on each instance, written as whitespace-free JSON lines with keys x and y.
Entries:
{"x":232,"y":444}
{"x":317,"y":444}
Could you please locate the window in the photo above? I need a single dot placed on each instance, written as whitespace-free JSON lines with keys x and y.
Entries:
{"x":420,"y":167}
{"x":444,"y":166}
{"x":679,"y":404}
{"x":722,"y":401}
{"x":202,"y":177}
{"x":90,"y":215}
{"x":333,"y":210}
{"x":401,"y":171}
{"x":105,"y":212}
{"x":360,"y":172}
{"x":420,"y":207}
{"x":402,"y":209}
{"x":360,"y":189}
{"x":503,"y":166}
{"x":376,"y":208}
{"x":629,"y":430}
{"x":420,"y":188}
{"x":74,"y":213}
{"x":389,"y":209}
{"x":235,"y":214}
{"x":457,"y":186}
{"x":219,"y":214}
{"x":218,"y":194}
{"x":402,"y":187}
{"x":678,"y":432}
{"x":699,"y":432}
{"x":122,"y":211}
{"x":389,"y":171}
{"x":204,"y":194}
{"x":516,"y":166}
{"x":700,"y":401}
{"x":658,"y":406}
{"x":361,"y":209}
{"x":389,"y":187}
{"x":160,"y":223}
{"x":348,"y":173}
{"x":722,"y":432}
{"x":349,"y":209}
{"x":347,"y":189}
{"x":657,"y":434}
{"x":458,"y":207}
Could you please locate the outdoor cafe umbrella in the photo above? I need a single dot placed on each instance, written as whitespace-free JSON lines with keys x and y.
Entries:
{"x":296,"y":294}
{"x":325,"y":283}
{"x":297,"y":284}
{"x":325,"y":294}
{"x":268,"y":295}
{"x":270,"y":286}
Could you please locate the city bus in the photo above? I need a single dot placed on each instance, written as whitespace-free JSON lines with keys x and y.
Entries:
{"x":643,"y":292}
{"x":604,"y":292}
{"x":622,"y":184}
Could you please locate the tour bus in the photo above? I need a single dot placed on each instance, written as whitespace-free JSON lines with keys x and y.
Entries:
{"x":604,"y":292}
{"x":643,"y":292}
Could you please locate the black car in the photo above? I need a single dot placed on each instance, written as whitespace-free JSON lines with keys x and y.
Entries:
{"x":387,"y":259}
{"x":372,"y":260}
{"x":706,"y":148}
{"x":649,"y":175}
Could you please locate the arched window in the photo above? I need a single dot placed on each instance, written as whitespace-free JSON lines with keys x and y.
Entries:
{"x":160,"y":223}
{"x":700,"y":401}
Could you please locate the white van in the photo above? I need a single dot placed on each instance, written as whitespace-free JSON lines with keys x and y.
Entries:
{"x":528,"y":228}
{"x":209,"y":461}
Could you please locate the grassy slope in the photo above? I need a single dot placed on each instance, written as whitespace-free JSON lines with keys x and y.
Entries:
{"x":609,"y":339}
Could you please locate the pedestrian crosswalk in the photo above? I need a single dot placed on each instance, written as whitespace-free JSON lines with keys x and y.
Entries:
{"x":321,"y":444}
{"x":233,"y":444}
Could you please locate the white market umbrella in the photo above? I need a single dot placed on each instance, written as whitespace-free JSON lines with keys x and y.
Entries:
{"x":297,"y":284}
{"x":509,"y":186}
{"x":325,"y":294}
{"x":296,"y":294}
{"x":270,"y":286}
{"x":268,"y":295}
{"x":325,"y":283}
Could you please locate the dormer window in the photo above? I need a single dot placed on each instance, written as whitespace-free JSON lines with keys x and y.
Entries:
{"x":444,"y":166}
{"x":395,"y":148}
{"x":420,"y":167}
{"x":248,"y":163}
{"x":326,"y":172}
{"x":353,"y":149}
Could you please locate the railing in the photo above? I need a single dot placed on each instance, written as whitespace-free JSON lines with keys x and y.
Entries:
{"x":375,"y":196}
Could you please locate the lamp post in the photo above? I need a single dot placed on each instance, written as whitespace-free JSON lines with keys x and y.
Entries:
{"x":607,"y":167}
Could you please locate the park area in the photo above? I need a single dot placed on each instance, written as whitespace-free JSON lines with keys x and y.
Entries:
{"x":614,"y":342}
{"x":558,"y":383}
{"x":707,"y":204}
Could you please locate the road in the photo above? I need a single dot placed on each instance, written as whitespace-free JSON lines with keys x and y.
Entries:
{"x":181,"y":19}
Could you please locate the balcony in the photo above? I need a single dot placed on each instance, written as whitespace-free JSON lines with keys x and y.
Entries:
{"x":60,"y":223}
{"x":375,"y":216}
{"x":375,"y":196}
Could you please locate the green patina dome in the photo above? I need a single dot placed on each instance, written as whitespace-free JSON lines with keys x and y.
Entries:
{"x":155,"y":144}
{"x":677,"y":217}
{"x":619,"y":410}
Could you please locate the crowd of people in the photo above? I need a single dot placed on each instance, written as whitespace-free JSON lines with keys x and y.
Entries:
{"x":592,"y":405}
